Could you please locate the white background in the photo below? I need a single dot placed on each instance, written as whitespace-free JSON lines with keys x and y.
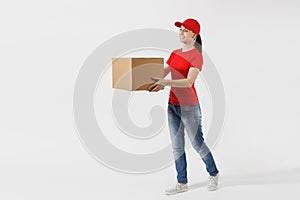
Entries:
{"x":254,"y":45}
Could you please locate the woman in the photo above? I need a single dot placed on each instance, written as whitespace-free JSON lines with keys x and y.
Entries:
{"x":183,"y":107}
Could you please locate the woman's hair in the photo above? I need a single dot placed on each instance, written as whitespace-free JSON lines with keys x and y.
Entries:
{"x":198,"y":43}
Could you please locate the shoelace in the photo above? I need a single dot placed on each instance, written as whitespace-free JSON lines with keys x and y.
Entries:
{"x":213,"y":179}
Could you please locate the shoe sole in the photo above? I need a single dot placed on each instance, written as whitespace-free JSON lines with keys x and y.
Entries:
{"x":176,"y":192}
{"x":212,"y":189}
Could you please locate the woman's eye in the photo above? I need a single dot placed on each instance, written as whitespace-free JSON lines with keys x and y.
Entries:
{"x":184,"y":30}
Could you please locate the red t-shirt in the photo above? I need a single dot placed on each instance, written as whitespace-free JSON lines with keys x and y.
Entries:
{"x":180,"y":63}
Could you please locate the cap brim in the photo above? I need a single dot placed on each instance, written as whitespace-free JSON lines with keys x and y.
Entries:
{"x":178,"y":24}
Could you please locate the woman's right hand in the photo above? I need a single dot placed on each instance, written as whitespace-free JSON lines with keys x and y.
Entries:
{"x":155,"y":87}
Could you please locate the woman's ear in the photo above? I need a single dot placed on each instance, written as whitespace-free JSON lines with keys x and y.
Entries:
{"x":194,"y":37}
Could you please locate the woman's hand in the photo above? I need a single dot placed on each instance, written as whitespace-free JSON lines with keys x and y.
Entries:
{"x":158,"y":85}
{"x":182,"y":83}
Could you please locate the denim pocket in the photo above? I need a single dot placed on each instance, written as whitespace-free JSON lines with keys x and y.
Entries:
{"x":189,"y":108}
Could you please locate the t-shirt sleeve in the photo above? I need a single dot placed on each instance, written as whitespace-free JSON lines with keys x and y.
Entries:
{"x":197,"y":62}
{"x":170,"y":58}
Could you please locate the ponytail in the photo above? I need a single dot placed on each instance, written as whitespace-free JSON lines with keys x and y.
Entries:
{"x":198,"y":43}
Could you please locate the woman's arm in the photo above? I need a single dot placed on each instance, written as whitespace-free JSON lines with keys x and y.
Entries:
{"x":166,"y":70}
{"x":183,"y":83}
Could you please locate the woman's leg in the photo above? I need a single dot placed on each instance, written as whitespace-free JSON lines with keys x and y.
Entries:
{"x":177,"y":138}
{"x":192,"y":120}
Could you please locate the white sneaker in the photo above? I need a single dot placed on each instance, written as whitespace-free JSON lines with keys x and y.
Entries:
{"x":177,"y":189}
{"x":213,"y":182}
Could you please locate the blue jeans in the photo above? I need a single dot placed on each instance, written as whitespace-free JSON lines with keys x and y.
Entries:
{"x":188,"y":117}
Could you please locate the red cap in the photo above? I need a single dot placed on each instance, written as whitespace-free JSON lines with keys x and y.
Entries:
{"x":190,"y":24}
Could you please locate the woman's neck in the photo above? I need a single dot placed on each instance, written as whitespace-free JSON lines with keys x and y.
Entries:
{"x":187,"y":47}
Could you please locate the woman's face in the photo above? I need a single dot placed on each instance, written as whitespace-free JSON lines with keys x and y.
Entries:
{"x":186,"y":36}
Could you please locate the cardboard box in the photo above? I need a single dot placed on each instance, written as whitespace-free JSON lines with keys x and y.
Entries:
{"x":135,"y":73}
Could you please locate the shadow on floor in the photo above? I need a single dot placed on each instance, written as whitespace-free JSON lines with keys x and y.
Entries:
{"x":290,"y":176}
